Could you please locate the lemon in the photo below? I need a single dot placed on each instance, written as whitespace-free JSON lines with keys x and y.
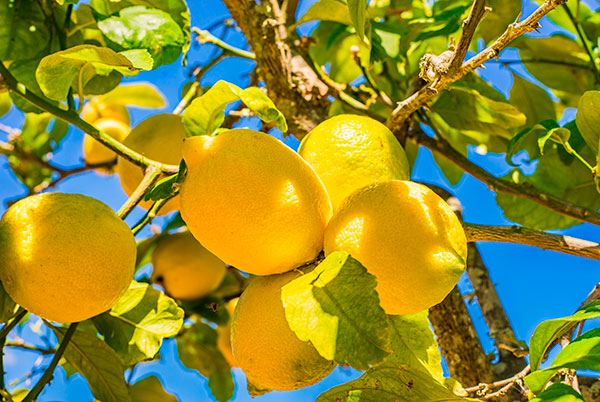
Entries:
{"x":350,"y":151}
{"x":264,"y":346}
{"x":405,"y":235}
{"x":159,"y":137}
{"x":96,"y":109}
{"x":184,"y":268}
{"x":253,"y":202}
{"x":96,"y":153}
{"x":65,"y":257}
{"x":224,"y":335}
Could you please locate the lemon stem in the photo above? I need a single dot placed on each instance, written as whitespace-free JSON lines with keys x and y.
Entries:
{"x":150,"y":214}
{"x":151,"y":176}
{"x":71,"y":117}
{"x":48,"y":374}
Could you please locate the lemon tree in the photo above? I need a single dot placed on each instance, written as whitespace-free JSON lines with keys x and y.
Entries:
{"x":297,"y":225}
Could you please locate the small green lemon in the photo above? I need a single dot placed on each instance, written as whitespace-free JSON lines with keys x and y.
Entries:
{"x":350,"y":151}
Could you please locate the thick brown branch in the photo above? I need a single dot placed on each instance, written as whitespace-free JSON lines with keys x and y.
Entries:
{"x":425,"y":94}
{"x":295,"y":92}
{"x":441,"y":146}
{"x":531,"y":237}
{"x":469,"y":27}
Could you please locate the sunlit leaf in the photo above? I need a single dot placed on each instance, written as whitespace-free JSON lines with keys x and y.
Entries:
{"x":139,"y":94}
{"x":391,"y":382}
{"x":336,"y":308}
{"x":583,"y":353}
{"x":588,"y":119}
{"x":532,"y":101}
{"x":137,"y":324}
{"x":206,"y":113}
{"x":548,"y":331}
{"x":327,"y":10}
{"x":358,"y":13}
{"x":141,"y":27}
{"x":79,"y":66}
{"x":97,"y":363}
{"x":495,"y":22}
{"x":559,"y":392}
{"x":5,"y":103}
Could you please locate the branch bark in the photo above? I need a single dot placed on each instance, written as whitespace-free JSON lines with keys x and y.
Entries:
{"x":420,"y":98}
{"x":299,"y":96}
{"x":531,"y":237}
{"x":469,"y":26}
{"x":442,"y":147}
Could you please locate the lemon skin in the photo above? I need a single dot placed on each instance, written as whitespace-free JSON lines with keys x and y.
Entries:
{"x":264,"y":346}
{"x":350,"y":151}
{"x":253,"y":202}
{"x":96,"y":153}
{"x":185,"y":269}
{"x":65,"y":257}
{"x":96,"y":109}
{"x":405,"y":235}
{"x":159,"y":137}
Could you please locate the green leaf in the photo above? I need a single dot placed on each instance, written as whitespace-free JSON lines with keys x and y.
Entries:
{"x":23,"y":29}
{"x":558,"y":392}
{"x":414,"y":344}
{"x":78,"y":66}
{"x":465,"y":109}
{"x":97,"y":363}
{"x":391,"y":382}
{"x":494,"y":23}
{"x":568,"y":60}
{"x":527,"y":140}
{"x":532,"y":101}
{"x":177,"y":9}
{"x":358,"y":14}
{"x":198,"y":350}
{"x":24,"y":72}
{"x":5,"y":103}
{"x":140,"y":27}
{"x":451,"y":172}
{"x":140,"y":94}
{"x":588,"y":119}
{"x":163,"y":189}
{"x":137,"y":324}
{"x":583,"y":353}
{"x":7,"y":305}
{"x":548,"y":331}
{"x":327,"y":10}
{"x":336,"y":308}
{"x":559,"y":174}
{"x":150,"y":389}
{"x":206,"y":113}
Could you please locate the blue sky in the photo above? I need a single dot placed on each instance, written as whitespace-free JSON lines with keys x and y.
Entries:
{"x":533,"y":284}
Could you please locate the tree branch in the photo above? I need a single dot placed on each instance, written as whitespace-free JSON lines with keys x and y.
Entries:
{"x":420,"y":98}
{"x":73,"y":118}
{"x":532,"y":237}
{"x":482,"y":390}
{"x":441,"y":146}
{"x":35,"y":391}
{"x":295,"y":92}
{"x":469,"y":26}
{"x":205,"y":36}
{"x":151,"y":175}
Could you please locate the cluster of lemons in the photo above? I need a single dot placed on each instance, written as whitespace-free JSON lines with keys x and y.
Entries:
{"x":251,"y":202}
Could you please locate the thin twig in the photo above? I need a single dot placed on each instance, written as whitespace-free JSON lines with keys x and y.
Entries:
{"x":73,"y":118}
{"x":8,"y":327}
{"x":20,"y":345}
{"x":151,"y":214}
{"x":504,"y":385}
{"x":531,"y":237}
{"x":151,"y":176}
{"x":583,"y":39}
{"x":48,"y":374}
{"x":420,"y":98}
{"x":523,"y":190}
{"x":205,"y":36}
{"x":469,"y":26}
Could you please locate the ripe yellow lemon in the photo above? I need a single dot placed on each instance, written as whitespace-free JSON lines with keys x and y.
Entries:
{"x":253,"y":202}
{"x":65,"y":257}
{"x":264,"y":346}
{"x":224,"y":335}
{"x":184,"y":268}
{"x":351,"y":151}
{"x":96,"y":109}
{"x":96,"y":153}
{"x":405,"y":235}
{"x":159,"y":137}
